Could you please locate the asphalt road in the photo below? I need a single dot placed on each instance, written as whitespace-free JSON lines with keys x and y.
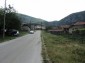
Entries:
{"x":26,"y":49}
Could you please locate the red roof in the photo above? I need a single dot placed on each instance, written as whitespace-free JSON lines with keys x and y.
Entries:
{"x":79,"y":23}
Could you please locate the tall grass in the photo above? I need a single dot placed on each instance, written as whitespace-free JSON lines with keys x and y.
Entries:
{"x":64,"y":48}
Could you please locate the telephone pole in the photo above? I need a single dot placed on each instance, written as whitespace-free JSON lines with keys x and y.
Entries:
{"x":4,"y":20}
{"x":30,"y":24}
{"x":41,"y":25}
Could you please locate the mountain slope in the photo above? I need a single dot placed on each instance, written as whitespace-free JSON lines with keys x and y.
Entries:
{"x":28,"y":19}
{"x":53,"y":23}
{"x":70,"y":19}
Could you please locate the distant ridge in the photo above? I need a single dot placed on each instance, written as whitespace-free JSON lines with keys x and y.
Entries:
{"x":70,"y":19}
{"x":28,"y":19}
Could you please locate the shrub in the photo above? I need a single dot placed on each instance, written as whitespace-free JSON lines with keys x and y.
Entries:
{"x":79,"y":32}
{"x":82,"y":31}
{"x":76,"y":32}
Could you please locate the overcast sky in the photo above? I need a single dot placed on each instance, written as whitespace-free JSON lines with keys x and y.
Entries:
{"x":47,"y":9}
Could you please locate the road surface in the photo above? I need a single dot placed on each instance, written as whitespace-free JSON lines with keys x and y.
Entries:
{"x":26,"y":49}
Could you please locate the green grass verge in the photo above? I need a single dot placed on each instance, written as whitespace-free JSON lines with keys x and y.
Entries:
{"x":64,"y":48}
{"x":22,"y":33}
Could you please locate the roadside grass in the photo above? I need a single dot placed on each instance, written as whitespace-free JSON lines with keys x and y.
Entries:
{"x":64,"y":48}
{"x":22,"y":33}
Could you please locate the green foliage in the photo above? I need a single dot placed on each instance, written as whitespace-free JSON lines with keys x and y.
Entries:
{"x":1,"y":17}
{"x":12,"y":21}
{"x":76,"y":32}
{"x":64,"y":48}
{"x":48,"y":28}
{"x":82,"y":31}
{"x":79,"y":32}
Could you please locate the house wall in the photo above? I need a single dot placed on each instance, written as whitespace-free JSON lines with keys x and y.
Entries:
{"x":76,"y":27}
{"x":39,"y":27}
{"x":32,"y":27}
{"x":25,"y":28}
{"x":70,"y":30}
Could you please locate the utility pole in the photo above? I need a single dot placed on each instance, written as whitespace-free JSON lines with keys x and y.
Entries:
{"x":30,"y":24}
{"x":4,"y":20}
{"x":41,"y":25}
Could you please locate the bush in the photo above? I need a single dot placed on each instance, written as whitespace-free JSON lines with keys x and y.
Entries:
{"x":79,"y":32}
{"x":76,"y":32}
{"x":82,"y":32}
{"x":48,"y":28}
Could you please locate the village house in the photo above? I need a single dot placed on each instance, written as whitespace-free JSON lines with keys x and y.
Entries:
{"x":56,"y":30}
{"x":28,"y":27}
{"x":25,"y":27}
{"x":76,"y":26}
{"x":60,"y":29}
{"x":39,"y":27}
{"x":67,"y":28}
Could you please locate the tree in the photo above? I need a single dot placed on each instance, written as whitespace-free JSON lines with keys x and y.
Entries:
{"x":48,"y":28}
{"x":1,"y":17}
{"x":12,"y":20}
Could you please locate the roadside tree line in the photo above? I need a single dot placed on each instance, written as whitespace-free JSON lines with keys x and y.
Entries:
{"x":12,"y":20}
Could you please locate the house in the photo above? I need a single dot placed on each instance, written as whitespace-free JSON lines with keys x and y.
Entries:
{"x":25,"y":27}
{"x":60,"y":29}
{"x":65,"y":28}
{"x":39,"y":27}
{"x":32,"y":26}
{"x":68,"y":28}
{"x":43,"y":27}
{"x":28,"y":26}
{"x":56,"y":30}
{"x":76,"y":26}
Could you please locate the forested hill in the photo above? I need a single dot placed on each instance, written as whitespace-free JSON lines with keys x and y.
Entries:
{"x":74,"y":17}
{"x":70,"y":19}
{"x":53,"y":23}
{"x":28,"y":19}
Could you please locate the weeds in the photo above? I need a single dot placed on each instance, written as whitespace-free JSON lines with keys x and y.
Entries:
{"x":64,"y":48}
